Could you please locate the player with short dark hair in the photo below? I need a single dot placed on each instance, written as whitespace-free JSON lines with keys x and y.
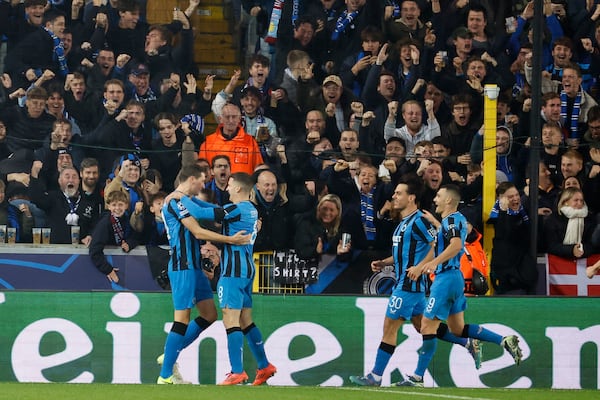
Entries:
{"x":447,"y":300}
{"x":190,"y":286}
{"x":237,"y":274}
{"x":413,"y":242}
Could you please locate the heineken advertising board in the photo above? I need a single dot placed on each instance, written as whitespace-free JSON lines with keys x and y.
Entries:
{"x":313,"y":340}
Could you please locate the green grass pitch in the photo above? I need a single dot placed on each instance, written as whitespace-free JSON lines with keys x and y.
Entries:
{"x":30,"y":391}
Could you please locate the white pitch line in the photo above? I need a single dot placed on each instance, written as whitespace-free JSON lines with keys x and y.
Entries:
{"x":436,"y":395}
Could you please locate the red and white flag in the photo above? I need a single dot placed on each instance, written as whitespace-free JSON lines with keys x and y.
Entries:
{"x":566,"y":277}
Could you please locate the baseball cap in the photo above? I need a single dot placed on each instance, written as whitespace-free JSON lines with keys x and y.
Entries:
{"x":333,"y":79}
{"x":139,"y":69}
{"x":462,"y":32}
{"x":251,"y":91}
{"x":131,"y":157}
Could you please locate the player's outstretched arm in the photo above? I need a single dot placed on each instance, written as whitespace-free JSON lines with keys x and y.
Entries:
{"x":200,"y":233}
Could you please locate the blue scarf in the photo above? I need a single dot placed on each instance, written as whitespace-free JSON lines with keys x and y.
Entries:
{"x":521,"y":212}
{"x":59,"y":53}
{"x":149,"y":96}
{"x":356,"y":88}
{"x":134,"y":197}
{"x":396,"y":12}
{"x":342,"y":23}
{"x":367,"y":214}
{"x":573,"y":123}
{"x":268,"y":205}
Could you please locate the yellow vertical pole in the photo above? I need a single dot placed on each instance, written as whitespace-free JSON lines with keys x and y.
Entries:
{"x":489,"y":163}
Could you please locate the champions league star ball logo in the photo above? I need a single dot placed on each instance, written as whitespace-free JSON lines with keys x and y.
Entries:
{"x":381,"y":282}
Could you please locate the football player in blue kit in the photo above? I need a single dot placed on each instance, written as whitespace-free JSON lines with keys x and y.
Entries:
{"x":447,"y":300}
{"x":413,"y":241}
{"x":189,"y":285}
{"x":234,"y":288}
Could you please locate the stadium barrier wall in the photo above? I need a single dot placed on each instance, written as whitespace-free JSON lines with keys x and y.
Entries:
{"x":68,"y":267}
{"x":115,"y":337}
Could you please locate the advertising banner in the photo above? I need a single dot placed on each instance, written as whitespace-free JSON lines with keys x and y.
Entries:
{"x":313,"y":340}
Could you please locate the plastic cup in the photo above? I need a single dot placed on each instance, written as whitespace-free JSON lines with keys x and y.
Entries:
{"x":11,"y":235}
{"x":46,"y":235}
{"x":37,"y":235}
{"x":75,"y":234}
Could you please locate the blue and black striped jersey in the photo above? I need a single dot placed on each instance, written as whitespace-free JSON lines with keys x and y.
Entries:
{"x":412,"y":241}
{"x":236,"y":260}
{"x":185,"y":248}
{"x":454,"y":225}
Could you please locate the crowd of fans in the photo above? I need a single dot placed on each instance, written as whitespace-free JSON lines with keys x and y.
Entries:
{"x":341,"y":101}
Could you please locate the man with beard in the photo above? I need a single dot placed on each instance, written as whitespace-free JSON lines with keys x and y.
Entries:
{"x":89,"y":172}
{"x":138,"y":88}
{"x":432,"y":176}
{"x":414,"y":130}
{"x":63,"y":207}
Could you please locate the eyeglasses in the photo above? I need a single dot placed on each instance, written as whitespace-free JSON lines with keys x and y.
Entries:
{"x":594,"y":127}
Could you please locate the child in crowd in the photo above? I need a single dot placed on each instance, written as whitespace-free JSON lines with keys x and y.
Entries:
{"x":112,"y":229}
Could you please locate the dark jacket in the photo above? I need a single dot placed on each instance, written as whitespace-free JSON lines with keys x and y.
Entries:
{"x":24,"y":132}
{"x":555,"y":227}
{"x":308,"y":231}
{"x":56,"y":207}
{"x":103,"y":236}
{"x":512,"y":266}
{"x":35,"y":51}
{"x":276,"y":228}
